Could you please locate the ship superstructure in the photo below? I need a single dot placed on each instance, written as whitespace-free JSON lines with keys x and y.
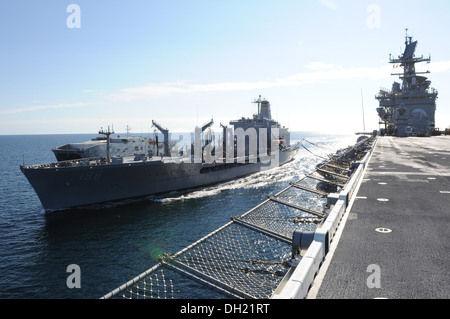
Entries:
{"x":409,"y":108}
{"x":263,"y":119}
{"x":118,"y":146}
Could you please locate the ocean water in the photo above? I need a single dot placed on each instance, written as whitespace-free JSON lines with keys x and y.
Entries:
{"x":114,"y":243}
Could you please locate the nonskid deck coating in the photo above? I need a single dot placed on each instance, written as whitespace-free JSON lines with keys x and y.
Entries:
{"x":396,"y":239}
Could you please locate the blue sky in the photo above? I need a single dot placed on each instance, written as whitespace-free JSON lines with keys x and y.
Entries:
{"x":182,"y":62}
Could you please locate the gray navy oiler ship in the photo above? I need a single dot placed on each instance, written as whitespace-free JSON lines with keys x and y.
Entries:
{"x":87,"y":181}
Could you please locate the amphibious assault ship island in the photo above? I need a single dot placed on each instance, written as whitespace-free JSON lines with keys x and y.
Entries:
{"x":256,"y":144}
{"x":409,"y":108}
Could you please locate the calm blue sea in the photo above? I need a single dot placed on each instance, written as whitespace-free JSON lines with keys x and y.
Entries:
{"x":113,"y":244}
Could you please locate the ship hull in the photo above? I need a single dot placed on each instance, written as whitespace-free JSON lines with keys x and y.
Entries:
{"x":60,"y":188}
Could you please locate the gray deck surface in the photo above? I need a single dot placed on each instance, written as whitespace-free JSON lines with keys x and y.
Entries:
{"x":406,"y":189}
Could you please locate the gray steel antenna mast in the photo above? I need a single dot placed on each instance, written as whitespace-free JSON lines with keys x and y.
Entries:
{"x":258,"y":101}
{"x":108,"y":147}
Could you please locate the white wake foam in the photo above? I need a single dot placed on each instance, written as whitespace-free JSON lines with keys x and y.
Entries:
{"x":304,"y":163}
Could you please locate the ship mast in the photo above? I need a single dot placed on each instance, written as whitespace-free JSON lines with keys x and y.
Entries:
{"x":408,"y":60}
{"x":258,"y":101}
{"x":224,"y":140}
{"x":165,"y":133}
{"x":208,"y":137}
{"x":108,"y":146}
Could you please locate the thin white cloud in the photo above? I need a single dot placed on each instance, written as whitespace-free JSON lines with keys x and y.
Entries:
{"x":43,"y":107}
{"x":316,"y":71}
{"x":440,"y":66}
{"x":155,"y":90}
{"x":330,"y":4}
{"x":333,"y":72}
{"x":317,"y":65}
